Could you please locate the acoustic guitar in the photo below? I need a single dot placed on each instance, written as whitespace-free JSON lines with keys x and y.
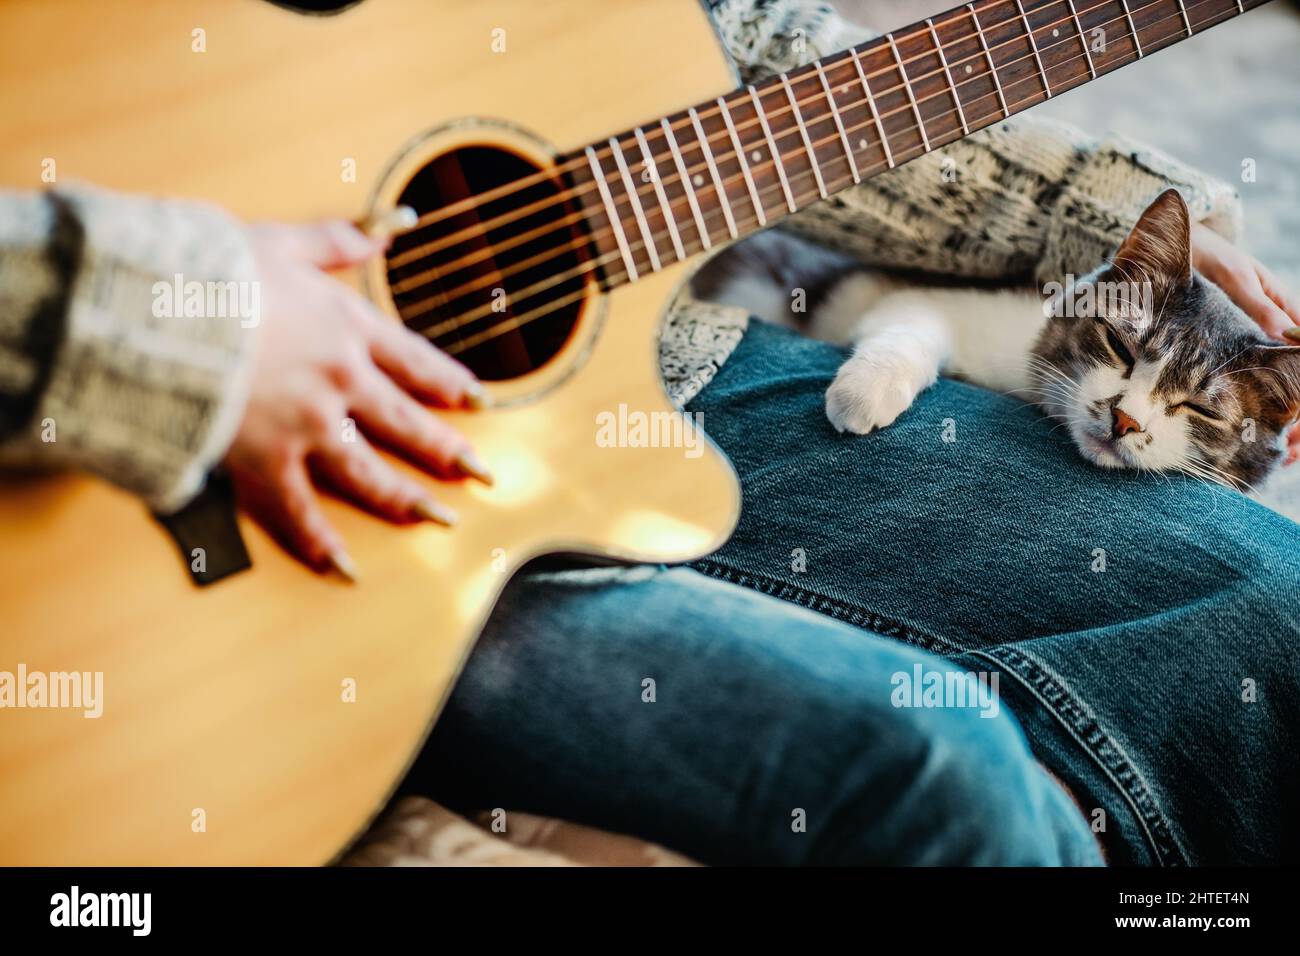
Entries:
{"x":264,"y":717}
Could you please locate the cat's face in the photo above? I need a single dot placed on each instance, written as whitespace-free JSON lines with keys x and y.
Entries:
{"x":1162,"y":371}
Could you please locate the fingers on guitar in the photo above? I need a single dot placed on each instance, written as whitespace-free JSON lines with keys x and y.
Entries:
{"x":332,"y":244}
{"x":291,"y":507}
{"x":357,"y":471}
{"x":424,"y":371}
{"x":393,"y":417}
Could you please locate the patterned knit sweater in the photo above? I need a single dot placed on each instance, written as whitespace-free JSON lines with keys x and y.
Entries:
{"x":152,"y":403}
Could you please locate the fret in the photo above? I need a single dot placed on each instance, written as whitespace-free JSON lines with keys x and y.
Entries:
{"x":823,"y":119}
{"x":911,"y":96}
{"x":683,"y":176}
{"x":875,"y":113}
{"x":647,"y":237}
{"x":1132,"y":27}
{"x":1150,"y":26}
{"x":993,"y":67}
{"x":1083,"y":40}
{"x":807,"y":141}
{"x":970,"y":70}
{"x":723,"y":202}
{"x":611,"y":213}
{"x":956,"y":99}
{"x":771,"y":145}
{"x":839,"y":122}
{"x":1034,"y":47}
{"x":1165,"y":24}
{"x":744,"y":163}
{"x":1062,"y":62}
{"x":669,"y":221}
{"x":1209,"y":14}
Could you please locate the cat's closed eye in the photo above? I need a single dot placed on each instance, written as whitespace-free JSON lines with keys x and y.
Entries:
{"x":1116,"y":346}
{"x":1203,"y":410}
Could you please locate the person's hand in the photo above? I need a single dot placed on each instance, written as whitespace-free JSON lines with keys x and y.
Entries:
{"x":1256,"y":291}
{"x":330,"y":370}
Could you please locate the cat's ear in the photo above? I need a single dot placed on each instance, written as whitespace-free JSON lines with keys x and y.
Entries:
{"x":1278,"y":373}
{"x":1159,"y":249}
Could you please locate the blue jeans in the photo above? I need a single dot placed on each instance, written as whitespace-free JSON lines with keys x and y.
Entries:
{"x":1144,"y":632}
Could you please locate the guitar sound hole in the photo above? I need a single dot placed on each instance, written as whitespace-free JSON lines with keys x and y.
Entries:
{"x":497,"y":281}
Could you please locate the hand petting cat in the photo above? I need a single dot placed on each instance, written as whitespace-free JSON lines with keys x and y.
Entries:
{"x":1254,"y":288}
{"x":1248,"y":283}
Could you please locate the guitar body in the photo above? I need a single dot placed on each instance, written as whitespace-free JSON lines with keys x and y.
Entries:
{"x":230,"y":731}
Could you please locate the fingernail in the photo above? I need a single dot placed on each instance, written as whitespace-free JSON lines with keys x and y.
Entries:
{"x":342,"y":562}
{"x":1292,"y":334}
{"x":470,"y":464}
{"x":430,"y":510}
{"x":381,"y":225}
{"x":477,"y":397}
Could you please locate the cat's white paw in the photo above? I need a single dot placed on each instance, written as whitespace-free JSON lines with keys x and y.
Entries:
{"x":870,"y":392}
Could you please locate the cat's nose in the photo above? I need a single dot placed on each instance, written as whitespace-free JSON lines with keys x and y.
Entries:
{"x":1124,"y":423}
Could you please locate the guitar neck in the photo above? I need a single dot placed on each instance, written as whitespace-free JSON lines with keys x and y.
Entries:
{"x":724,"y":169}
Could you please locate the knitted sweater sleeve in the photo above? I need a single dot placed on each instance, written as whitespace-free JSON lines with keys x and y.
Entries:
{"x":103,"y":366}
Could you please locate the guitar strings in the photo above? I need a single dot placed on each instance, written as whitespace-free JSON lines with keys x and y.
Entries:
{"x":482,"y":229}
{"x":970,"y":9}
{"x":447,"y":297}
{"x":515,"y":322}
{"x":431,"y":276}
{"x":525,"y":318}
{"x":483,"y":311}
{"x":553,"y":251}
{"x":470,"y":202}
{"x":474,"y":202}
{"x":721,"y":137}
{"x":609,"y":258}
{"x":711,"y":218}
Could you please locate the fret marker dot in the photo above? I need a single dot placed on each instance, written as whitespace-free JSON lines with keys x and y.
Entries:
{"x":755,"y":156}
{"x":698,"y":180}
{"x":969,"y":68}
{"x":862,"y":144}
{"x":1056,"y":33}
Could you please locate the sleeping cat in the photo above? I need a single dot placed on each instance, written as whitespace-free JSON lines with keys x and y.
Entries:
{"x":1147,"y":364}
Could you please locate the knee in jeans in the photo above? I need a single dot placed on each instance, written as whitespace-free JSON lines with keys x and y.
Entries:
{"x":1001,"y":800}
{"x":966,"y":790}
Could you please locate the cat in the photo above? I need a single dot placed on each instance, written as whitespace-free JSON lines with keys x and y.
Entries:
{"x":1147,"y":364}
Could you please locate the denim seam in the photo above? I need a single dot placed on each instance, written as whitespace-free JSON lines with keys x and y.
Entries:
{"x":840,"y":610}
{"x":1094,"y":741}
{"x":1099,"y":745}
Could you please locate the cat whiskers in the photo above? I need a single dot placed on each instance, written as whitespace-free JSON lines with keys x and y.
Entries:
{"x":1148,"y":470}
{"x":1046,"y":397}
{"x":1044,"y":367}
{"x":1195,"y":472}
{"x":1053,"y":385}
{"x":1034,"y":394}
{"x":1252,"y":368}
{"x":1065,"y":420}
{"x":1233,"y":357}
{"x":1201,"y":468}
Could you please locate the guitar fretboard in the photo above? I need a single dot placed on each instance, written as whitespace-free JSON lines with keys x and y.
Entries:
{"x":720,"y":170}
